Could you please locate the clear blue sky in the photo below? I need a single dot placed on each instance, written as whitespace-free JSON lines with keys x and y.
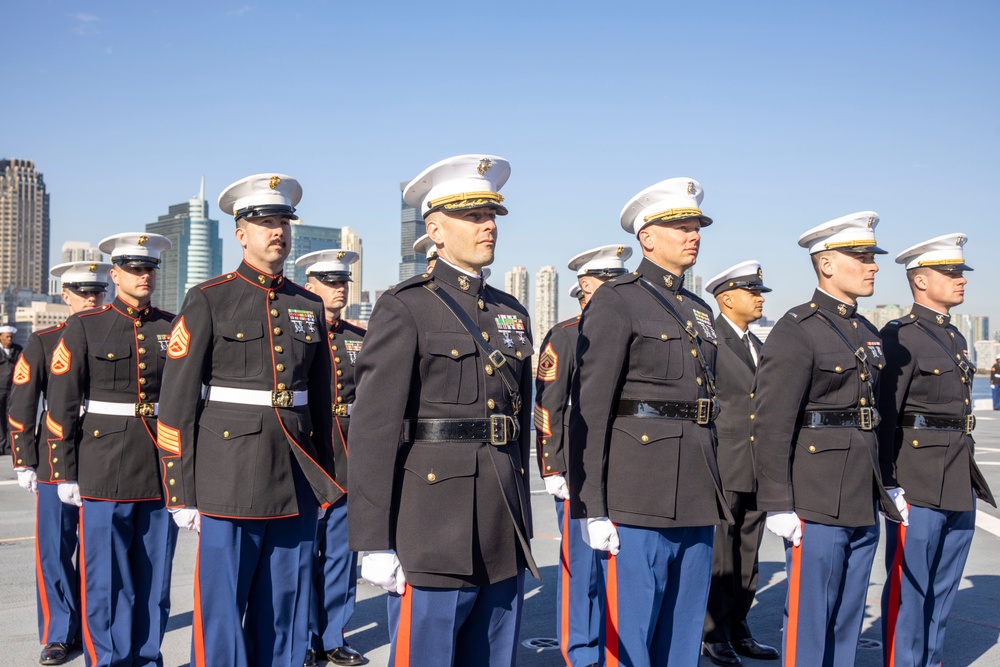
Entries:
{"x":789,"y":113}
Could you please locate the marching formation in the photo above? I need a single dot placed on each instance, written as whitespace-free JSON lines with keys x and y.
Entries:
{"x":668,"y":436}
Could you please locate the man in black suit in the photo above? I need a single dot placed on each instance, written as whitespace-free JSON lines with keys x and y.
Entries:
{"x":738,"y":292}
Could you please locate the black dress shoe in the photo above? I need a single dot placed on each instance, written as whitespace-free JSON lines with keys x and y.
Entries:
{"x":345,"y":655}
{"x":310,"y":660}
{"x":54,"y":654}
{"x":751,"y":648}
{"x":721,"y":653}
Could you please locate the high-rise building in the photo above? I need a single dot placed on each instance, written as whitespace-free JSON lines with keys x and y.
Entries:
{"x":24,"y":227}
{"x":692,"y":282}
{"x":349,"y":240}
{"x":975,"y":328}
{"x":546,"y":301}
{"x":196,"y":253}
{"x":411,"y":228}
{"x":306,"y":239}
{"x":883,"y":314}
{"x":515,"y":283}
{"x":81,"y":251}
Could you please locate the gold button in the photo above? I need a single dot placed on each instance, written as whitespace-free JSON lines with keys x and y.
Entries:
{"x":694,"y":353}
{"x":54,"y":460}
{"x":486,"y":337}
{"x":482,"y":306}
{"x":142,"y":365}
{"x":260,"y":279}
{"x":142,"y":350}
{"x":544,"y":441}
{"x":548,"y":468}
{"x":838,"y":369}
{"x":491,"y":404}
{"x":140,"y":337}
{"x":864,"y":401}
{"x":751,"y":394}
{"x":111,"y":355}
{"x":698,"y":381}
{"x":751,"y":438}
{"x":173,"y":499}
{"x":240,"y":335}
{"x":142,"y":380}
{"x":644,"y":438}
{"x":96,"y":433}
{"x":855,"y":324}
{"x":172,"y":482}
{"x":812,"y":305}
{"x":225,"y":434}
{"x":272,"y":296}
{"x":170,"y":464}
{"x":274,"y":312}
{"x":142,"y":395}
{"x":336,"y":360}
{"x":863,"y":376}
{"x":431,"y":477}
{"x":138,"y":323}
{"x":16,"y":436}
{"x":518,"y":354}
{"x":752,"y":417}
{"x":279,"y":367}
{"x":545,"y":455}
{"x":339,"y":372}
{"x":54,"y":445}
{"x":333,"y":347}
{"x":937,"y":372}
{"x":308,"y":337}
{"x":966,"y":401}
{"x":340,"y":399}
{"x":916,"y":443}
{"x":279,"y":349}
{"x":281,"y":386}
{"x":56,"y":475}
{"x":277,"y":331}
{"x":664,"y":336}
{"x":812,"y":448}
{"x":340,"y":386}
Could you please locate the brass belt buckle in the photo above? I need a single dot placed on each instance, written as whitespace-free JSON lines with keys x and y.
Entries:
{"x":498,"y":430}
{"x":145,"y":410}
{"x":283,"y":399}
{"x":970,"y":423}
{"x":704,"y":413}
{"x":867,"y":419}
{"x":339,"y":410}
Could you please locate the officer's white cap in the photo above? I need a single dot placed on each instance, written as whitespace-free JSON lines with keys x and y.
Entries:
{"x":942,"y":252}
{"x":607,"y":260}
{"x":575,"y":292}
{"x":11,"y":330}
{"x":328,"y":265}
{"x":83,"y":276}
{"x":745,"y":275}
{"x":424,"y":246}
{"x":261,"y":195}
{"x":667,"y":201}
{"x":459,"y":183}
{"x":849,"y":233}
{"x":135,"y":248}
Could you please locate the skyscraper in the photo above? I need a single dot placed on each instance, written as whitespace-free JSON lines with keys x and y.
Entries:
{"x":349,"y":240}
{"x":412,"y":228}
{"x":306,"y":239}
{"x":81,"y":251}
{"x":515,"y":283}
{"x":24,"y":227}
{"x":546,"y":301}
{"x":196,"y":254}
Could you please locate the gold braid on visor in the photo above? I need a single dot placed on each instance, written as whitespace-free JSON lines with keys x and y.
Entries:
{"x":673,"y":214}
{"x":864,"y":243}
{"x":463,"y":200}
{"x":942,"y":262}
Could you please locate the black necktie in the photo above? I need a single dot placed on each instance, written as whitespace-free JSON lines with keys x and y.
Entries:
{"x":746,"y":341}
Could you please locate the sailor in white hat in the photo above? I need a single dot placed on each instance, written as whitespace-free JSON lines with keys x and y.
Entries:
{"x":84,"y":286}
{"x":738,"y":293}
{"x":10,"y":352}
{"x":448,"y":357}
{"x":424,"y":246}
{"x":328,"y":276}
{"x":643,"y":393}
{"x":579,"y":596}
{"x":926,"y":398}
{"x":812,"y":413}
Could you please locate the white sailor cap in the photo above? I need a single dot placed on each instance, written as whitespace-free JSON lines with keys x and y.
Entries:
{"x":83,"y":276}
{"x":135,"y":249}
{"x":607,"y":261}
{"x":260,"y":196}
{"x":576,"y":292}
{"x":942,"y":252}
{"x":745,"y":275}
{"x":424,"y":246}
{"x":850,"y":233}
{"x":669,"y":200}
{"x":328,"y":266}
{"x":12,"y":330}
{"x":459,"y":183}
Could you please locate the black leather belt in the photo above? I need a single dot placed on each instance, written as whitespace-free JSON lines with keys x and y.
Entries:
{"x":966,"y":424}
{"x":497,"y":430}
{"x":702,"y":411}
{"x":865,"y":419}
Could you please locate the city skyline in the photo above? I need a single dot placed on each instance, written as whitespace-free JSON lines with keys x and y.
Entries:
{"x":546,"y":301}
{"x":24,"y":227}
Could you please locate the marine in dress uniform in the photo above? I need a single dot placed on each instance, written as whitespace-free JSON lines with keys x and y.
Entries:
{"x":995,"y":383}
{"x":580,"y":586}
{"x":739,"y":293}
{"x":643,"y":472}
{"x":443,"y":509}
{"x":425,"y":246}
{"x":251,"y":462}
{"x":57,"y":577}
{"x":107,"y":367}
{"x":816,"y":448}
{"x":335,"y":579}
{"x":927,"y":448}
{"x":10,"y":352}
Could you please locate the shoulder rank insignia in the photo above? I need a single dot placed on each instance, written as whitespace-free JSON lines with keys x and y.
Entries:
{"x":60,"y":359}
{"x":304,"y":321}
{"x":180,"y":340}
{"x":22,"y":371}
{"x":548,"y":365}
{"x":705,"y":325}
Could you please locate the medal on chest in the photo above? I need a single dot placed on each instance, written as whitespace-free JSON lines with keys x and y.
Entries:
{"x":508,"y":325}
{"x":705,"y":325}
{"x":874,"y":349}
{"x":304,"y":321}
{"x":163,"y":339}
{"x":352,"y":347}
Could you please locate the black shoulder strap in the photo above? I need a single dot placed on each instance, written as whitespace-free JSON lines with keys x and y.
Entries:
{"x":962,"y":365}
{"x":693,"y":335}
{"x":495,"y":356}
{"x":859,"y":354}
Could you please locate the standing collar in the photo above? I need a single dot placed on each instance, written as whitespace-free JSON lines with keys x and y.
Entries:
{"x":455,"y":277}
{"x":131,"y":311}
{"x":659,"y":276}
{"x":255,"y":276}
{"x":930,"y":315}
{"x":833,"y":304}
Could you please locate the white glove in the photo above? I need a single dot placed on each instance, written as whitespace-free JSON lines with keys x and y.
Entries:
{"x":382,"y":569}
{"x":785,"y":525}
{"x":27,"y":479}
{"x":896,"y":493}
{"x":188,"y":518}
{"x":555,"y":485}
{"x":600,"y":534}
{"x":69,"y":493}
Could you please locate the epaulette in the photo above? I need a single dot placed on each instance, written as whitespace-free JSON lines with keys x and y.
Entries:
{"x":803,"y":311}
{"x":903,"y":321}
{"x":418,"y":279}
{"x":571,"y":322}
{"x":49,"y":330}
{"x":622,"y":280}
{"x":217,"y":280}
{"x":93,"y":311}
{"x":355,"y":328}
{"x":165,"y":313}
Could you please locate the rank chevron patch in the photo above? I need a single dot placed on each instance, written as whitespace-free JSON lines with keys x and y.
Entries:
{"x":180,"y":340}
{"x":22,"y":371}
{"x":60,"y":359}
{"x":548,"y":365}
